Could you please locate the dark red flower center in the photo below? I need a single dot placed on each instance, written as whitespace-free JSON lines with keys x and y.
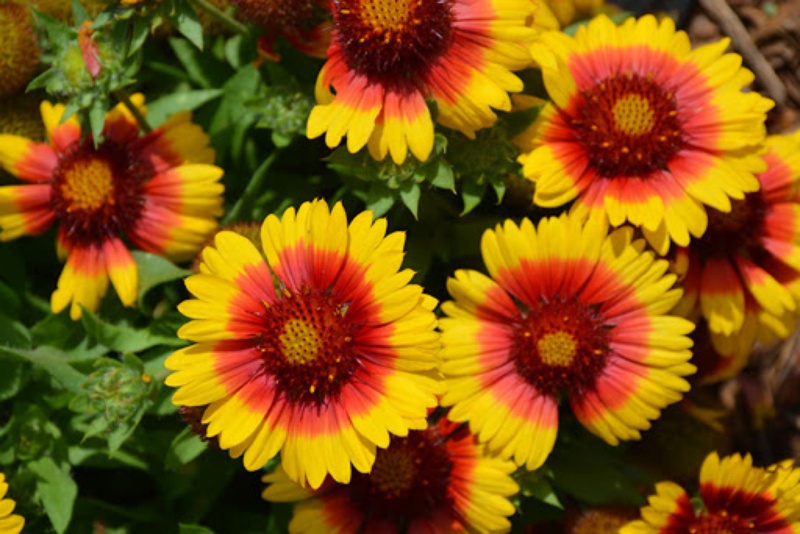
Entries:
{"x":733,"y":232}
{"x":409,"y":479}
{"x":736,"y":511}
{"x":628,"y":126}
{"x":395,"y":40}
{"x":307,"y":345}
{"x":97,"y":191}
{"x":559,"y":345}
{"x":721,"y":523}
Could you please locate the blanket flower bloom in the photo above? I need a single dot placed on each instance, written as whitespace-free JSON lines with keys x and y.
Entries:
{"x":160,"y":191}
{"x":569,"y":309}
{"x":434,"y":480}
{"x":387,"y":56}
{"x":736,"y":497}
{"x":319,"y":349}
{"x":10,"y":523}
{"x":644,"y":129}
{"x":743,"y":274}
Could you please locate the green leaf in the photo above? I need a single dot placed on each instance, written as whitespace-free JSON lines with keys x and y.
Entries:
{"x":184,"y":448}
{"x":193,"y":529}
{"x":159,"y":110}
{"x":13,"y":376}
{"x":56,"y":490}
{"x":187,"y":23}
{"x":139,"y":34}
{"x":195,"y":63}
{"x":155,"y":270}
{"x":79,"y":13}
{"x":123,"y":338}
{"x":14,"y":333}
{"x":10,"y":300}
{"x":409,"y":194}
{"x":97,"y":117}
{"x":441,"y":176}
{"x":380,"y":199}
{"x":54,"y":362}
{"x":471,"y":194}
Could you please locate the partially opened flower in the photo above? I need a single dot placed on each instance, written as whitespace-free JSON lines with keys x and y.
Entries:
{"x":387,"y":56}
{"x":158,"y":191}
{"x":569,"y":310}
{"x":10,"y":523}
{"x":643,"y":129}
{"x":434,"y":480}
{"x":735,"y":497}
{"x":318,"y":349}
{"x":743,"y":274}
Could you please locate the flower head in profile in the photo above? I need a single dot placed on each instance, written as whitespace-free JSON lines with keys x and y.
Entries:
{"x":434,"y":480}
{"x":387,"y":56}
{"x":159,"y":191}
{"x":10,"y":523}
{"x":644,"y":129}
{"x":568,"y":310}
{"x":735,"y":497}
{"x":319,"y":349}
{"x":743,"y":275}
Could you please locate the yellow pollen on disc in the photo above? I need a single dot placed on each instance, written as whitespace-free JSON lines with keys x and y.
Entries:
{"x":386,"y":15}
{"x":633,"y":115}
{"x":557,"y":349}
{"x":88,"y":185}
{"x":299,"y":341}
{"x":393,"y":472}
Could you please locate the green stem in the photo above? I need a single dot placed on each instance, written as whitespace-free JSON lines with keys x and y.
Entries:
{"x":251,"y":192}
{"x":123,"y":97}
{"x":220,"y":15}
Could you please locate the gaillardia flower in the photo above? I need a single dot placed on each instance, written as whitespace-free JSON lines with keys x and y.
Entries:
{"x":644,"y":129}
{"x":736,"y":497}
{"x":569,"y":309}
{"x":10,"y":523}
{"x":318,"y":349}
{"x":434,"y":480}
{"x":19,"y":48}
{"x":159,"y":191}
{"x":387,"y":56}
{"x":743,"y":274}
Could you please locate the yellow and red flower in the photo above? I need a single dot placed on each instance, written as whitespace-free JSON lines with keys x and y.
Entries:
{"x":569,"y":309}
{"x":736,"y":497}
{"x":387,"y":56}
{"x":10,"y":523}
{"x":643,"y":129}
{"x":743,"y":274}
{"x":434,"y":480}
{"x":159,"y":190}
{"x":318,"y":349}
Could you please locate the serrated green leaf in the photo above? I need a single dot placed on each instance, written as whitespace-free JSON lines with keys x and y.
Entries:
{"x":184,"y":448}
{"x":56,"y":490}
{"x":186,"y":22}
{"x":155,"y":270}
{"x":54,"y":362}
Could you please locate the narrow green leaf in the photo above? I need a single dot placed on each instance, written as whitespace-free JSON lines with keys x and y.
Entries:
{"x":139,"y":33}
{"x":193,"y":61}
{"x":97,"y":117}
{"x":54,"y":362}
{"x":159,"y":110}
{"x":56,"y":490}
{"x":79,"y":14}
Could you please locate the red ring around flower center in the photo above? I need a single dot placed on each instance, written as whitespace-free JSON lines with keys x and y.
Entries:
{"x":96,"y":192}
{"x":721,"y":522}
{"x":307,"y":346}
{"x":560,"y":344}
{"x":392,"y":39}
{"x":410,"y":477}
{"x":628,"y":126}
